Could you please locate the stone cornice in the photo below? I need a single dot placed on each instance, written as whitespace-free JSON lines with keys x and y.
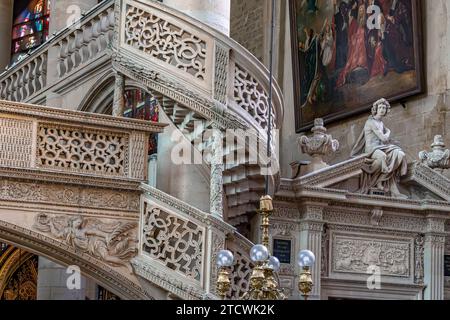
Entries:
{"x":312,"y":193}
{"x":46,"y":175}
{"x":79,"y":117}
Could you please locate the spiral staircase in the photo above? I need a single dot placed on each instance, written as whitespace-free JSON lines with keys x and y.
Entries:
{"x":201,"y":80}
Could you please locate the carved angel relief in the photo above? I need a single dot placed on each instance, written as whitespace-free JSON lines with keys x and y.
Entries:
{"x":114,"y":243}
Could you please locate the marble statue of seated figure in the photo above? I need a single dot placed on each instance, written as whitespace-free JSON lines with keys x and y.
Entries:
{"x":386,"y":162}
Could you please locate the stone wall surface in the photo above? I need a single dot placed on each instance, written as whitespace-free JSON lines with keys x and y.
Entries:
{"x":414,"y":127}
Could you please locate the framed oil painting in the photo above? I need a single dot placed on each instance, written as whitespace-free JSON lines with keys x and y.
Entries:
{"x":348,"y":53}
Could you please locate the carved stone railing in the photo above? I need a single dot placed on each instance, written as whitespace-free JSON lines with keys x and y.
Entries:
{"x":78,"y":46}
{"x":54,"y":140}
{"x":179,"y":244}
{"x":242,"y":267}
{"x":186,"y":55}
{"x":64,"y":53}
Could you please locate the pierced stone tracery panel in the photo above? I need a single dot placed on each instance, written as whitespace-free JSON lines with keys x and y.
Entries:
{"x":175,"y":242}
{"x":76,"y":149}
{"x":251,"y":96}
{"x":165,"y":41}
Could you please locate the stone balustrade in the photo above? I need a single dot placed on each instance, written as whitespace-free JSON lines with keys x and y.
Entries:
{"x":73,"y":47}
{"x":55,"y":141}
{"x":86,"y":40}
{"x":25,"y":79}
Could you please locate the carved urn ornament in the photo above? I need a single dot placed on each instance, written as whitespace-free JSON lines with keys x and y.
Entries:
{"x":437,"y":159}
{"x":318,"y":146}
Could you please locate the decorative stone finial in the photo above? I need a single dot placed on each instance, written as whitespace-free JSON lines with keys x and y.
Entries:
{"x":319,"y":145}
{"x":439,"y":157}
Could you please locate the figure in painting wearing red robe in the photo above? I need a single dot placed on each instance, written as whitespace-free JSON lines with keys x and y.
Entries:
{"x":357,"y":53}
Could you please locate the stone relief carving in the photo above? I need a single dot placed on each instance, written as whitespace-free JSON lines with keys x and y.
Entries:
{"x":114,"y":243}
{"x":166,"y":42}
{"x":385,"y":160}
{"x":175,"y":242}
{"x":355,"y":255}
{"x":240,"y":274}
{"x":418,"y":259}
{"x":81,"y":150}
{"x":438,"y":158}
{"x":68,"y":195}
{"x":251,"y":96}
{"x":318,"y":146}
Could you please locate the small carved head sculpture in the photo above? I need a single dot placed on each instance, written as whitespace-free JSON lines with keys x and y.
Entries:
{"x":77,"y":222}
{"x":382,"y":102}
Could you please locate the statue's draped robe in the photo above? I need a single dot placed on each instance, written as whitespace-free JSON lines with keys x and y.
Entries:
{"x":390,"y":170}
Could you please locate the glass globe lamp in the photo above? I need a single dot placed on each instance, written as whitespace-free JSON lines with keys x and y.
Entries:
{"x":225,"y":258}
{"x":306,"y":259}
{"x":274,"y":263}
{"x":259,"y":253}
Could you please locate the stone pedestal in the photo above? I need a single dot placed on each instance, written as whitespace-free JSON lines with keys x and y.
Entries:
{"x":215,"y":13}
{"x":311,"y":229}
{"x":6,"y":21}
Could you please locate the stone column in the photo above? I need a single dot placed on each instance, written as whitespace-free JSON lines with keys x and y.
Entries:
{"x":217,"y":167}
{"x":311,"y":229}
{"x":434,"y":250}
{"x":6,"y":21}
{"x":119,"y":91}
{"x":215,"y":13}
{"x":65,"y":12}
{"x":152,"y":169}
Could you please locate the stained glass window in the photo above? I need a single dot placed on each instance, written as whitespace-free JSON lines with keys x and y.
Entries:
{"x":30,"y":27}
{"x":141,"y":105}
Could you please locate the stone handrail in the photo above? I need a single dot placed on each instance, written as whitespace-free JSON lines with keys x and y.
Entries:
{"x":73,"y":47}
{"x":178,"y":241}
{"x":42,"y":140}
{"x":193,"y":56}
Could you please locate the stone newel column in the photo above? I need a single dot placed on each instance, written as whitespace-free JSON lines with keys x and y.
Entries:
{"x":119,"y":91}
{"x":6,"y":21}
{"x":217,"y":167}
{"x":434,"y":250}
{"x":311,"y":229}
{"x":215,"y":13}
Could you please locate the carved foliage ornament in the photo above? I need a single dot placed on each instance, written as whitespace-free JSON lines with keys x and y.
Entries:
{"x":165,"y":41}
{"x":175,"y":242}
{"x":113,"y":243}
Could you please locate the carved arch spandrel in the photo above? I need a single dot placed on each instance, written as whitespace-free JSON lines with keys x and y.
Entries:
{"x":111,"y":278}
